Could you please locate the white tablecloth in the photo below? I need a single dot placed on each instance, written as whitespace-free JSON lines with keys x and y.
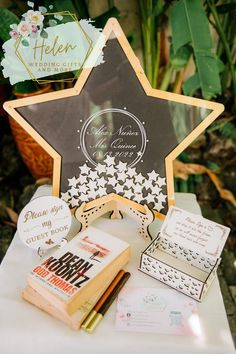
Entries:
{"x":24,"y":329}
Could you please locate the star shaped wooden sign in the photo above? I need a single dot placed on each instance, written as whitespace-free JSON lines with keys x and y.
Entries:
{"x":112,"y":133}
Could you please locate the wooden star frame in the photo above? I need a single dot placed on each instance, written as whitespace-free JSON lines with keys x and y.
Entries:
{"x":165,"y":106}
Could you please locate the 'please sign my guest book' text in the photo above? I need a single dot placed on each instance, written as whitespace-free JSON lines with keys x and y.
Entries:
{"x":44,"y":222}
{"x":71,"y":280}
{"x":186,"y":252}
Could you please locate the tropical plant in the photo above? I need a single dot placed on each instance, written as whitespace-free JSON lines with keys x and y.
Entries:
{"x":222,"y":18}
{"x":194,"y":32}
{"x":192,"y":25}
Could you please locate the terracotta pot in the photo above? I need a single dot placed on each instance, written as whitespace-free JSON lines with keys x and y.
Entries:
{"x":39,"y":163}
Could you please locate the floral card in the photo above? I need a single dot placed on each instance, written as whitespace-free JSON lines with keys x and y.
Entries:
{"x":194,"y":232}
{"x":156,"y":311}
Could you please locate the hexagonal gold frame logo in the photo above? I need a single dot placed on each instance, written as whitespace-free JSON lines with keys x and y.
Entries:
{"x":43,"y":81}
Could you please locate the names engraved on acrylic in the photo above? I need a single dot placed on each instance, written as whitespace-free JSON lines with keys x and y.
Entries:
{"x":117,"y":140}
{"x":113,"y":132}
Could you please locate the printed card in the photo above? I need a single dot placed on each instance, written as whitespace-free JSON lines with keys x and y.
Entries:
{"x":194,"y":232}
{"x":156,"y":311}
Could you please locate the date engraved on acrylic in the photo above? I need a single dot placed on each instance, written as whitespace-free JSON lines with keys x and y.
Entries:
{"x":114,"y":132}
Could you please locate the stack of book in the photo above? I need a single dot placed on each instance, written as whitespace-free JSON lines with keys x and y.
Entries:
{"x":68,"y":283}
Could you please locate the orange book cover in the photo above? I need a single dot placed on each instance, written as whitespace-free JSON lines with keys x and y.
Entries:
{"x":75,"y":272}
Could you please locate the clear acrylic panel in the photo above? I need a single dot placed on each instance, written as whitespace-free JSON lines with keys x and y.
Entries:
{"x":113,"y":116}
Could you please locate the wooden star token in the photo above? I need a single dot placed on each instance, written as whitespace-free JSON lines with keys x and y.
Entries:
{"x":112,"y":127}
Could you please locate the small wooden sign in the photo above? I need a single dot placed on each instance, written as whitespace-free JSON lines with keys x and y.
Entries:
{"x":44,"y":222}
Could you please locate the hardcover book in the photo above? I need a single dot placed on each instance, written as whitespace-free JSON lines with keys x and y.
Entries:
{"x":73,"y":274}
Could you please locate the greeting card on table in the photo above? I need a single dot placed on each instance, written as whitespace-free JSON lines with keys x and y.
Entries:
{"x":156,"y":311}
{"x":195,"y":233}
{"x":112,"y":133}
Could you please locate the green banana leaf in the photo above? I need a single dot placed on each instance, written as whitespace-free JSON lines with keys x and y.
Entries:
{"x":190,"y":26}
{"x":180,"y":58}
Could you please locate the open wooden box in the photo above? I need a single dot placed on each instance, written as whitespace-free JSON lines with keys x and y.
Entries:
{"x":170,"y":259}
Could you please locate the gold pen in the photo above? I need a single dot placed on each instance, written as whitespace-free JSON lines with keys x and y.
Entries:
{"x":92,"y":325}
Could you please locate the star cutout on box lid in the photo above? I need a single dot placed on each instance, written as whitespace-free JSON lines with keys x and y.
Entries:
{"x":119,"y":122}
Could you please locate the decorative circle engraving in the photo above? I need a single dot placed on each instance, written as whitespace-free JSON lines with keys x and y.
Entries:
{"x":115,"y":132}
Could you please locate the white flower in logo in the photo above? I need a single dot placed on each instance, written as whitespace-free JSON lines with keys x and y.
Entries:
{"x":34,"y":17}
{"x":24,"y":28}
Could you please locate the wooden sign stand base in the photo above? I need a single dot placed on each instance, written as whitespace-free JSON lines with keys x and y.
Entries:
{"x":88,"y":212}
{"x":116,"y":205}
